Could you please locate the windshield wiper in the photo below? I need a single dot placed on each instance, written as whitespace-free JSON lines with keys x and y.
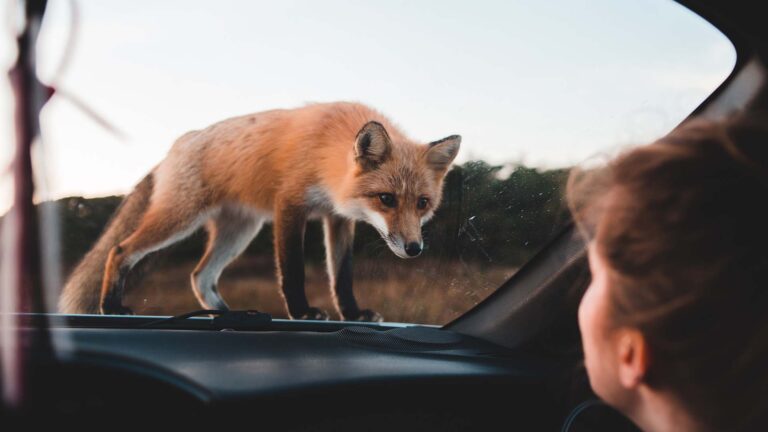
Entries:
{"x":222,"y":319}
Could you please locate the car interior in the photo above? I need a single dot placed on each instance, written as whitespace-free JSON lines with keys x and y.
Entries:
{"x":512,"y":362}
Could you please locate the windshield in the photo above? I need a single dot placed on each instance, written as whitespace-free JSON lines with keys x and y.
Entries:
{"x":532,"y":88}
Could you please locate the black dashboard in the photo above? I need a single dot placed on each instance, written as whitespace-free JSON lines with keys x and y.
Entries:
{"x":351,"y":378}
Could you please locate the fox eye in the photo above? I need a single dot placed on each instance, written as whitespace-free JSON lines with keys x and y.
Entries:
{"x":422,"y":203}
{"x":387,"y":199}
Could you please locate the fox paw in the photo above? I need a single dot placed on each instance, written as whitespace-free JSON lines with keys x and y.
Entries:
{"x":365,"y":315}
{"x":116,"y":310}
{"x":314,"y":314}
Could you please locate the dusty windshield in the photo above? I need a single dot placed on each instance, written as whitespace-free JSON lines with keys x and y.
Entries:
{"x":338,"y":160}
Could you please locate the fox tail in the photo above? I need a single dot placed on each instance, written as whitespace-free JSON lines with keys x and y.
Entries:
{"x":82,"y":292}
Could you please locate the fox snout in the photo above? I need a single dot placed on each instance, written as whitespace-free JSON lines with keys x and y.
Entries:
{"x":404,"y":248}
{"x":403,"y":235}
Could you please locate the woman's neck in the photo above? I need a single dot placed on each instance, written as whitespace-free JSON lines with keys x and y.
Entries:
{"x":658,"y":411}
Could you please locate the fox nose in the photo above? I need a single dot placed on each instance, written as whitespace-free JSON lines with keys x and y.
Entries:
{"x":413,"y":249}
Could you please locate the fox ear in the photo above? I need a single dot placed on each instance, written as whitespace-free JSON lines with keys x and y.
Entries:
{"x":441,"y":153}
{"x":372,"y":145}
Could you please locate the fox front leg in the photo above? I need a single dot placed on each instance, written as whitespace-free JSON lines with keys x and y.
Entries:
{"x":339,"y":238}
{"x":289,"y":227}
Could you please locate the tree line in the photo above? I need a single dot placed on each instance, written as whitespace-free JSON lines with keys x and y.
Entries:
{"x":490,"y":214}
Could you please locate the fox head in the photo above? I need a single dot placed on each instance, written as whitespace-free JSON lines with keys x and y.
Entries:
{"x":398,"y":185}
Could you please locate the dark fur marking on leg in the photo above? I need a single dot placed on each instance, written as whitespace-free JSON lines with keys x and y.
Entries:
{"x":343,"y":288}
{"x":289,"y":252}
{"x":293,"y":281}
{"x":113,"y":302}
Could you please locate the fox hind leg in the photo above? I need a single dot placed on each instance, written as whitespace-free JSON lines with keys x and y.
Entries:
{"x":158,"y":229}
{"x":229,"y":233}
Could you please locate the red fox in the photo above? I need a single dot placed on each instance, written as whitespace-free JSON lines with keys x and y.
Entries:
{"x":342,"y":162}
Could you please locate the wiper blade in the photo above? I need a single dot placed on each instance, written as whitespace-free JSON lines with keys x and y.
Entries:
{"x":222,"y":319}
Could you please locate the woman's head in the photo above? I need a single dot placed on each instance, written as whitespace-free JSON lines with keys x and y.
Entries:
{"x":678,"y":249}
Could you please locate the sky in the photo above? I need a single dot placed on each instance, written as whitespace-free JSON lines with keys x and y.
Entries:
{"x":543,"y":83}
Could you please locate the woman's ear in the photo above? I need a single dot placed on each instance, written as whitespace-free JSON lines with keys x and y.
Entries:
{"x":634,"y":358}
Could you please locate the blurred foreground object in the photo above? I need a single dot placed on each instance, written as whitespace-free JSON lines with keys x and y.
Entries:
{"x":21,"y":288}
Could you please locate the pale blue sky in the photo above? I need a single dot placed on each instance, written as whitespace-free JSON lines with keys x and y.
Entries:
{"x":546,"y":83}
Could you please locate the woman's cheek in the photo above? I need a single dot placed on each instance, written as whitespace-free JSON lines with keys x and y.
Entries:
{"x":586,"y":324}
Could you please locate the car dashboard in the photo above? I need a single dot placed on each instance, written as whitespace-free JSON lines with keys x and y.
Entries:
{"x":348,"y":378}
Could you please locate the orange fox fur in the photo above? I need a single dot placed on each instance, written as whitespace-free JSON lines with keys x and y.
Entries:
{"x":341,"y":162}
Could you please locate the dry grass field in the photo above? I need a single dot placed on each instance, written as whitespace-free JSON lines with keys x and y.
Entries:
{"x":420,"y":291}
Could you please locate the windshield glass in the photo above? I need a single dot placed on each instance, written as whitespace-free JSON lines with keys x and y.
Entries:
{"x":531,"y":87}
